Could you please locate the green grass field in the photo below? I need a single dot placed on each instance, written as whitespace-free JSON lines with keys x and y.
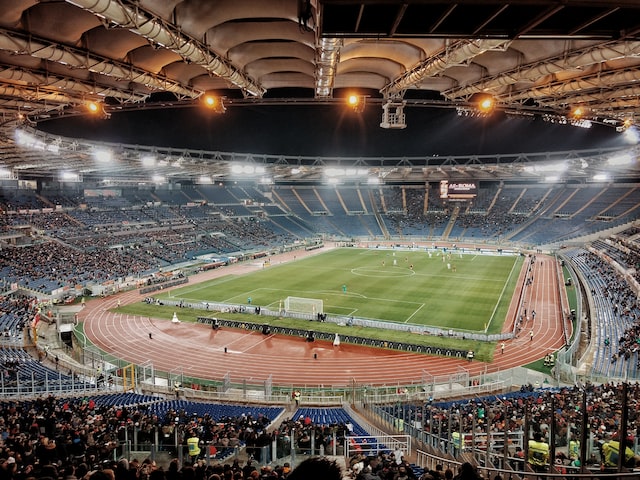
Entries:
{"x":473,"y":295}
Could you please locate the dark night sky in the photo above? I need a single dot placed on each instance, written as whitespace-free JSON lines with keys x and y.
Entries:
{"x":332,"y":130}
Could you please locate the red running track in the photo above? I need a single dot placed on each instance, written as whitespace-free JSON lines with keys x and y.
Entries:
{"x":199,"y":351}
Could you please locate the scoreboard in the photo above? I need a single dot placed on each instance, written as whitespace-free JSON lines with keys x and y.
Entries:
{"x":458,"y":190}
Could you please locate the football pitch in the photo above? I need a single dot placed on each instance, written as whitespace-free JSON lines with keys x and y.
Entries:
{"x":446,"y":290}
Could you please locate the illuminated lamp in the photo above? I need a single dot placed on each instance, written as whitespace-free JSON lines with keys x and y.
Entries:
{"x":578,"y":112}
{"x":486,"y":104}
{"x":356,"y":102}
{"x":97,"y":109}
{"x":214,"y":103}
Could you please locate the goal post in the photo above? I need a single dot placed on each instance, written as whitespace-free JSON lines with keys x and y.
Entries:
{"x":303,"y":305}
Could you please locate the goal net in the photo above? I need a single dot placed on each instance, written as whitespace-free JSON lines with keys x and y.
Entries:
{"x":303,"y":305}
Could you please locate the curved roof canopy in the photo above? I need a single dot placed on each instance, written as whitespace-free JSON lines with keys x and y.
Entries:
{"x":541,"y":58}
{"x":545,"y":56}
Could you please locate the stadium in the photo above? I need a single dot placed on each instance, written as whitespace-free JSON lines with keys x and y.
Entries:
{"x":382,"y":239}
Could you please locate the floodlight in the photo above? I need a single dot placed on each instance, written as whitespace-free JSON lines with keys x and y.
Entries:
{"x":486,"y":104}
{"x":620,"y":160}
{"x":97,"y":109}
{"x":356,"y":102}
{"x":546,"y":167}
{"x":70,"y":177}
{"x":631,"y":135}
{"x":578,"y":112}
{"x":214,"y":102}
{"x":148,"y":160}
{"x":103,"y":155}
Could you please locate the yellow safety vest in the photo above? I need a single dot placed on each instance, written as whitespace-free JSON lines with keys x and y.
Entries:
{"x":611,"y":451}
{"x":574,"y":449}
{"x":538,"y":453}
{"x":194,"y":449}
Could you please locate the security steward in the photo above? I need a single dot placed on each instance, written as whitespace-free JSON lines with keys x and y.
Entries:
{"x":538,"y":456}
{"x":611,"y":453}
{"x":193,"y":444}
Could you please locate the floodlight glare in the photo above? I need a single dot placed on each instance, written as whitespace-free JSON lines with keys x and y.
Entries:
{"x":214,"y":103}
{"x":486,"y":104}
{"x":102,"y":155}
{"x":631,"y":135}
{"x":356,"y":102}
{"x":620,"y":160}
{"x":70,"y":177}
{"x":549,"y":167}
{"x":148,"y":160}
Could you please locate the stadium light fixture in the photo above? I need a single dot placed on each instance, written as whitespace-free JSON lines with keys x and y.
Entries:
{"x":486,"y":104}
{"x":631,"y":135}
{"x":103,"y":155}
{"x":578,"y":112}
{"x":148,"y":160}
{"x":356,"y":102}
{"x":546,"y":168}
{"x":214,"y":103}
{"x":70,"y":177}
{"x":247,"y":169}
{"x":97,"y":109}
{"x":621,"y":160}
{"x":334,"y":172}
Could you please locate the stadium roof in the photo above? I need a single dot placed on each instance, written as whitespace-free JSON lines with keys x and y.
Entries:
{"x":535,"y":58}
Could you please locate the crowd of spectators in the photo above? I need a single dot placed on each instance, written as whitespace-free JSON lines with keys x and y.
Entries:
{"x":499,"y":414}
{"x":16,"y":312}
{"x":55,"y":249}
{"x":624,"y":303}
{"x":50,"y":436}
{"x":309,"y":437}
